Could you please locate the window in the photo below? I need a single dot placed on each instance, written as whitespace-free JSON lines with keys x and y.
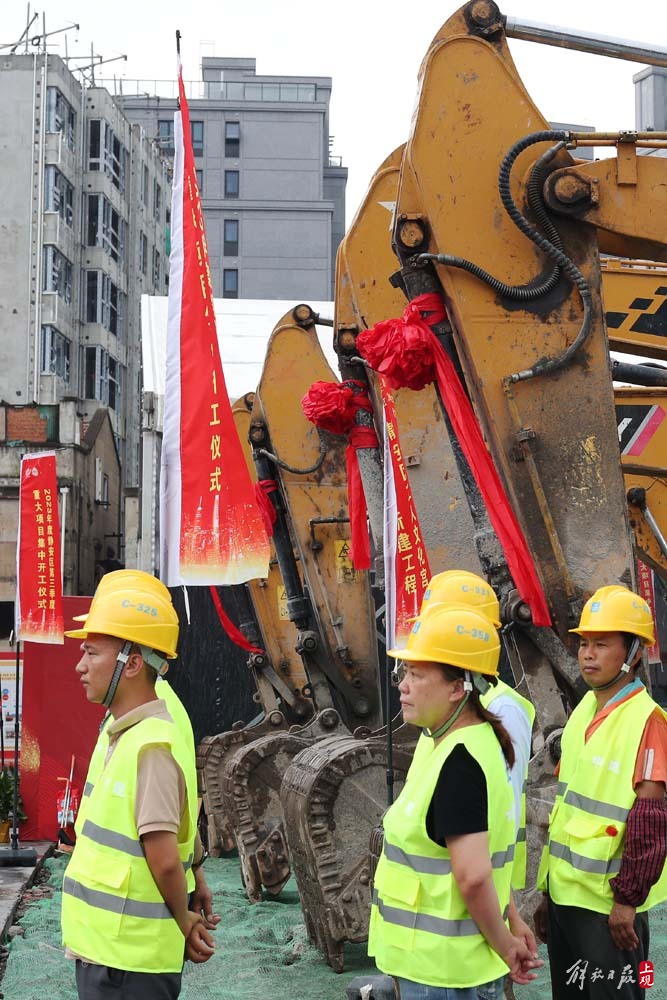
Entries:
{"x":102,"y":377}
{"x":231,"y":183}
{"x":106,"y":152}
{"x":230,"y":284}
{"x":200,"y":181}
{"x":157,"y":200}
{"x":55,"y":353}
{"x":165,"y":135}
{"x":57,"y":273}
{"x":60,"y":115}
{"x":156,"y":266}
{"x":197,"y":133}
{"x":232,"y":139}
{"x":143,"y":253}
{"x":105,"y":228}
{"x":105,"y":304}
{"x":144,"y":185}
{"x":59,"y":195}
{"x":231,"y":238}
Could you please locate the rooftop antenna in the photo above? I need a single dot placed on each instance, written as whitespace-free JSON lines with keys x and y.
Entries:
{"x":13,"y":46}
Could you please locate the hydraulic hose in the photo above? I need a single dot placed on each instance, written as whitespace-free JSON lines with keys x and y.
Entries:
{"x":551,"y":247}
{"x":623,"y":371}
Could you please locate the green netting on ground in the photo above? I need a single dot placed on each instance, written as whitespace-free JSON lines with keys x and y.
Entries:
{"x":262,"y":951}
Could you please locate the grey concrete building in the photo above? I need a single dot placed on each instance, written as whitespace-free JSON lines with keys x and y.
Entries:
{"x":83,"y":232}
{"x":273,"y":196}
{"x":651,"y":102}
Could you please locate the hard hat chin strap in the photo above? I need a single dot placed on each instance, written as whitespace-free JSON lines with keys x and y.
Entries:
{"x":435,"y":734}
{"x":625,"y":669}
{"x":121,"y":660}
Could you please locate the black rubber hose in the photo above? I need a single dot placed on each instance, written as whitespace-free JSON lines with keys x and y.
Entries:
{"x":651,"y":375}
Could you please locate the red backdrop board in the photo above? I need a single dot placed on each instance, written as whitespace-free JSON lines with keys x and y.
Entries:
{"x":58,"y":721}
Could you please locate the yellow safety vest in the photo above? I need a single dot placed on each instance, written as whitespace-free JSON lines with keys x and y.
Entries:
{"x":595,"y":795}
{"x":425,"y":744}
{"x":112,"y":910}
{"x":420,"y":928}
{"x":182,"y":722}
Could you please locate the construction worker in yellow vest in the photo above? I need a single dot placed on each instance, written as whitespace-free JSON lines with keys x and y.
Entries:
{"x":125,"y":916}
{"x":603,"y":866}
{"x":201,"y":898}
{"x":442,"y":896}
{"x":515,"y":712}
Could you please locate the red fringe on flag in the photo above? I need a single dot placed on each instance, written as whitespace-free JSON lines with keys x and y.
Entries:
{"x":333,"y":407}
{"x":408,"y":354}
{"x":234,"y":633}
{"x":262,"y":490}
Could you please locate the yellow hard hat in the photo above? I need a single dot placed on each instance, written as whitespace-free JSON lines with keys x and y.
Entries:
{"x":460,"y":586}
{"x":617,"y":609}
{"x":133,"y":606}
{"x":134,"y":579}
{"x":453,"y":634}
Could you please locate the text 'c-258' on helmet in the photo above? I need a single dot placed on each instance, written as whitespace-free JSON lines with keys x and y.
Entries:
{"x":617,"y":609}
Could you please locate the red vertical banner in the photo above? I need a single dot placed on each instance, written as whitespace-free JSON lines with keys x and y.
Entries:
{"x":39,"y":608}
{"x":210,"y":524}
{"x":645,"y":588}
{"x":407,"y":571}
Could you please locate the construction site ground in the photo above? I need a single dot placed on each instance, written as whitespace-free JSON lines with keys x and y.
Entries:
{"x":262,"y":950}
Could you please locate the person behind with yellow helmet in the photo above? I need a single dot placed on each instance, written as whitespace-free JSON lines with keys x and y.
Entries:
{"x":201,"y":898}
{"x":603,"y":866}
{"x":515,"y":712}
{"x":442,"y":892}
{"x":125,"y":915}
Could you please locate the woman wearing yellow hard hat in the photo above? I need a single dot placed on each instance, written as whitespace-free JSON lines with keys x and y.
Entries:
{"x":442,"y":887}
{"x":515,"y":712}
{"x":603,"y":866}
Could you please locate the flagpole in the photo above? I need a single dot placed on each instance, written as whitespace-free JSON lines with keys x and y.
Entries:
{"x":390,"y":746}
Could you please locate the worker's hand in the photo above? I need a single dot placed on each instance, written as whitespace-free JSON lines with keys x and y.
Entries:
{"x":199,"y":945}
{"x":520,"y":929}
{"x":541,"y":919}
{"x":621,"y":927}
{"x":521,"y":961}
{"x":202,"y":901}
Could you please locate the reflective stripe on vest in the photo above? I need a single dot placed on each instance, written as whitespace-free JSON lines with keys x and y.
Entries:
{"x":111,"y":905}
{"x":594,"y":797}
{"x":417,"y":902}
{"x":439,"y":866}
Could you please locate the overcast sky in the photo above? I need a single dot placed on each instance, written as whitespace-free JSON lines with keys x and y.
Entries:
{"x":371,"y":48}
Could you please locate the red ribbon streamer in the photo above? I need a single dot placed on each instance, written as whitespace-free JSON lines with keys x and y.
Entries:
{"x":234,"y":633}
{"x":408,"y":354}
{"x":333,"y":407}
{"x":262,"y":490}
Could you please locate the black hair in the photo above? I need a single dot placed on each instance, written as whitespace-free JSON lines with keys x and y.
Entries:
{"x":482,"y":713}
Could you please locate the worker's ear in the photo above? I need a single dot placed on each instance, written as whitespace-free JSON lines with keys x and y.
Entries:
{"x":457,"y":691}
{"x":135,"y":662}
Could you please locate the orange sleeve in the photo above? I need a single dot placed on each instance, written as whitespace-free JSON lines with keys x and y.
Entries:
{"x":651,"y":762}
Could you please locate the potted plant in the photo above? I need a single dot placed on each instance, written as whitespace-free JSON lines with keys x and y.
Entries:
{"x":7,"y":803}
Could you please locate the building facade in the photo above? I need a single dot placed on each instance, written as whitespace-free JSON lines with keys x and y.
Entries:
{"x":84,"y":229}
{"x":273,"y":196}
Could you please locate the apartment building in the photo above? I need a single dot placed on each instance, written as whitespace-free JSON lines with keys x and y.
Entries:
{"x":84,"y":227}
{"x":272,"y":193}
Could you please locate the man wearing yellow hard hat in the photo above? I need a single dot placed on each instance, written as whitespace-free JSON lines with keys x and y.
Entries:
{"x":603,"y":866}
{"x":442,"y":890}
{"x":125,"y":914}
